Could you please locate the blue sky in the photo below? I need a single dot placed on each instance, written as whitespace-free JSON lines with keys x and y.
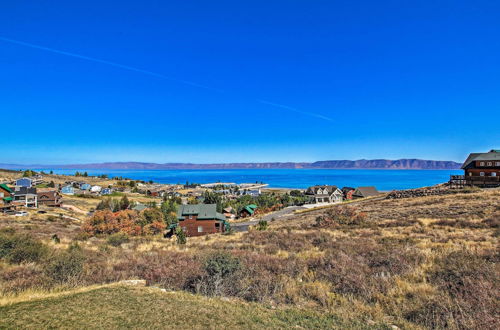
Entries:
{"x":236,"y":81}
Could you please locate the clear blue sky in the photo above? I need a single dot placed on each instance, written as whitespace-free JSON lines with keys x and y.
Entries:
{"x":231,"y":81}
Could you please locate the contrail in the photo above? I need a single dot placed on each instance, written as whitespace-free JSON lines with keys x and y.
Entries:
{"x":295,"y":110}
{"x":154,"y":74}
{"x":98,"y":60}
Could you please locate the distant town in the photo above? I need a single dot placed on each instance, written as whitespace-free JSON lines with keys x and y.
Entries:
{"x":202,"y":208}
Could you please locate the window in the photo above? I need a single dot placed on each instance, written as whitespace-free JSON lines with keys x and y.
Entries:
{"x":481,"y":164}
{"x":493,"y":174}
{"x":184,"y":228}
{"x":200,"y":229}
{"x":489,"y":163}
{"x":190,"y":216}
{"x":497,"y":163}
{"x":481,"y":173}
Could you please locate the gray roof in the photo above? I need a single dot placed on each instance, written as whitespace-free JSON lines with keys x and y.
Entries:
{"x":491,"y":155}
{"x":139,"y":207}
{"x":202,"y":211}
{"x":366,"y":191}
{"x":314,"y":189}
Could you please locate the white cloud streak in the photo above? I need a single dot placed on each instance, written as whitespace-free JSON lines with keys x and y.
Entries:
{"x":98,"y":60}
{"x":154,"y":74}
{"x":307,"y":113}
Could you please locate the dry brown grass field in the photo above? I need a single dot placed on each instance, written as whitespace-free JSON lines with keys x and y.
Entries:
{"x":426,"y":262}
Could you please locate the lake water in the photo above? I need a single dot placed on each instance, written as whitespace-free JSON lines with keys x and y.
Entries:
{"x":384,"y":180}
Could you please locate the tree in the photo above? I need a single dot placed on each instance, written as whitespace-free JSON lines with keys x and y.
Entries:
{"x":51,"y":184}
{"x":150,"y":215}
{"x":28,"y":173}
{"x":181,"y":236}
{"x":51,"y":172}
{"x":124,"y":203}
{"x":169,"y":210}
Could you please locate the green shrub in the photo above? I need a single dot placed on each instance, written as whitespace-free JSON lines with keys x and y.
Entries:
{"x":65,"y":266}
{"x":118,"y":239}
{"x":262,"y":225}
{"x":221,"y":264}
{"x":181,"y":236}
{"x":16,"y":248}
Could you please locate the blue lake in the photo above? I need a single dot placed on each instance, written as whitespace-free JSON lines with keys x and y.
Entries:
{"x":384,"y":180}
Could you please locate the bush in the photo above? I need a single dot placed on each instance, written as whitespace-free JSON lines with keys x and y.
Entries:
{"x":221,"y":264}
{"x":181,"y":236}
{"x":117,"y":239}
{"x":16,"y":248}
{"x":262,"y":225}
{"x":219,"y":280}
{"x":341,"y":216}
{"x":65,"y":266}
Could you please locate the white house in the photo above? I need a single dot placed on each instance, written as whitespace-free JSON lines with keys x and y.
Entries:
{"x":325,"y":194}
{"x":96,"y":189}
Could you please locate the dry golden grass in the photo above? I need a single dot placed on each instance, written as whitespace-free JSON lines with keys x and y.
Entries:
{"x":385,"y":269}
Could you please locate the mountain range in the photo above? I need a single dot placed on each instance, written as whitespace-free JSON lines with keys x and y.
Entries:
{"x":399,"y":164}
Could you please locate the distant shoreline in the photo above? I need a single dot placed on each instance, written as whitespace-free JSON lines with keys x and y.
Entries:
{"x":362,"y":164}
{"x":383,"y":179}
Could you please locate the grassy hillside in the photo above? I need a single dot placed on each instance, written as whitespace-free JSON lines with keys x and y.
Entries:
{"x":423,"y":262}
{"x":114,"y":307}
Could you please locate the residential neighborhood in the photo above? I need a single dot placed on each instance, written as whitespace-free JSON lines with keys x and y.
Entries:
{"x":233,"y":201}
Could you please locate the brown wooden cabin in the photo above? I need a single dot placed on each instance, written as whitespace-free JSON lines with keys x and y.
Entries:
{"x":482,"y":169}
{"x":201,"y":219}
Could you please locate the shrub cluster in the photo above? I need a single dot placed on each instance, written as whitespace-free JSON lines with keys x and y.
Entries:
{"x":148,"y":222}
{"x":341,"y":215}
{"x":18,"y":248}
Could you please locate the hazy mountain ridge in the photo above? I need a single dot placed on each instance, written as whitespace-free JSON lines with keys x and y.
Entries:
{"x":399,"y":164}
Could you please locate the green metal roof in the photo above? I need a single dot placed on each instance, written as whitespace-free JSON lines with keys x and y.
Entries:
{"x":4,"y":186}
{"x":202,"y":212}
{"x":7,"y":199}
{"x":251,"y":208}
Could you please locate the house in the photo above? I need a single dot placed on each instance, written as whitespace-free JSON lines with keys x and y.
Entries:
{"x":482,"y":169}
{"x":347,"y":192}
{"x":96,"y":189}
{"x":201,"y":219}
{"x":6,"y":197}
{"x":363,"y":192}
{"x":155,"y":192}
{"x":229,"y":213}
{"x":48,"y":197}
{"x":24,"y":182}
{"x":106,"y":191}
{"x":68,"y":190}
{"x":253,"y":192}
{"x":36,"y":179}
{"x":248,"y":211}
{"x":5,"y":193}
{"x":85,"y":186}
{"x":25,"y":196}
{"x":325,"y":194}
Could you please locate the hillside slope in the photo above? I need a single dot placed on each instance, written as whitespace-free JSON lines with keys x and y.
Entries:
{"x":116,"y":306}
